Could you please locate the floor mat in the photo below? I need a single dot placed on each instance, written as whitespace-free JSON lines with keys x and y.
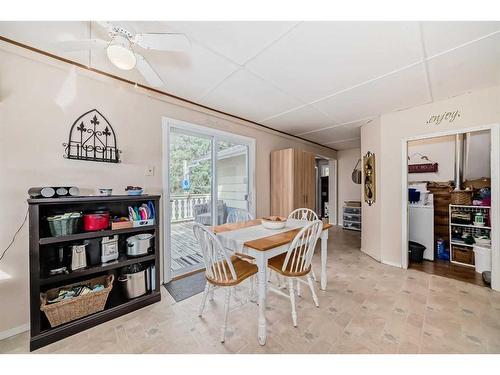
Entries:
{"x":187,"y":286}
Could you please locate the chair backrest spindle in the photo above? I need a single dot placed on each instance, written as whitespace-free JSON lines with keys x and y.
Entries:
{"x":303,"y":214}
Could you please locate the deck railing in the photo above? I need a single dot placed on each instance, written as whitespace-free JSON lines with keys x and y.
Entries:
{"x":181,"y":206}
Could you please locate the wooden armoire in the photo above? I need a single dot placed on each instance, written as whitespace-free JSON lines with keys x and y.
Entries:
{"x":292,"y":181}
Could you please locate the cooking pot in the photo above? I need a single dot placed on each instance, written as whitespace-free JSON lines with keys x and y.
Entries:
{"x":98,"y":220}
{"x":139,"y":244}
{"x":133,"y":282}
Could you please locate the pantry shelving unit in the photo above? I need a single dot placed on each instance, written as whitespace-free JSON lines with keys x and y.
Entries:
{"x":461,"y":252}
{"x":40,"y":240}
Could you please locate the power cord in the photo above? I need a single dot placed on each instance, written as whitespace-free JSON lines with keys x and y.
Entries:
{"x":15,"y":235}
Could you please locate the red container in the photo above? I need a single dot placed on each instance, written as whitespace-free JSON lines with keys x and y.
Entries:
{"x":96,"y":221}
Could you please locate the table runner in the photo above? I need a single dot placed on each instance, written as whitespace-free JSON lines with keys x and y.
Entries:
{"x":235,"y":240}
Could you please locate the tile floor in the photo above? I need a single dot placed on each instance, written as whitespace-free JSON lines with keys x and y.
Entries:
{"x":368,"y":308}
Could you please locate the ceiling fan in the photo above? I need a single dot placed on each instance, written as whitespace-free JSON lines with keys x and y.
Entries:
{"x":120,"y":48}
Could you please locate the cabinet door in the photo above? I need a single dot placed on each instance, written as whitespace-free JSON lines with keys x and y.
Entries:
{"x":304,"y":177}
{"x":282,"y":182}
{"x":309,"y":180}
{"x":298,"y":179}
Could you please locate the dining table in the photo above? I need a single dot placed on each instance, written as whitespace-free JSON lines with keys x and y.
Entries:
{"x":252,"y":239}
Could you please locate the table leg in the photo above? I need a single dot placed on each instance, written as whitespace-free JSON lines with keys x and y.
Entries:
{"x":261,"y":261}
{"x":324,"y":242}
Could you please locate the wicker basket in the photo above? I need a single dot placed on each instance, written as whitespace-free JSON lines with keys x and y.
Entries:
{"x":74,"y":308}
{"x":462,"y":197}
{"x":478,"y":183}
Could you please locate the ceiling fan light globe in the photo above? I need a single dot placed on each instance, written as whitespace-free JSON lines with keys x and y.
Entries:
{"x":121,"y":57}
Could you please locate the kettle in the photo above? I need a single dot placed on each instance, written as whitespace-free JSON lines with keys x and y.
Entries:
{"x":78,"y":257}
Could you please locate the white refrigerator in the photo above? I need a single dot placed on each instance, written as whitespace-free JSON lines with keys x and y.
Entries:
{"x":421,"y":227}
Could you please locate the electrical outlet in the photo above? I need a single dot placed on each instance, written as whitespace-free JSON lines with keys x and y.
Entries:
{"x":150,"y":170}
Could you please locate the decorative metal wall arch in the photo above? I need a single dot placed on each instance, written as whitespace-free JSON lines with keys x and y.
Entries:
{"x":92,"y":137}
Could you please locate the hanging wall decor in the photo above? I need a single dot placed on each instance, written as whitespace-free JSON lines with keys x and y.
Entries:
{"x":92,"y":138}
{"x":369,"y":175}
{"x":428,"y":167}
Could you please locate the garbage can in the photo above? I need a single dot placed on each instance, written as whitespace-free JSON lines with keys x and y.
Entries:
{"x":482,"y":258}
{"x":416,"y":251}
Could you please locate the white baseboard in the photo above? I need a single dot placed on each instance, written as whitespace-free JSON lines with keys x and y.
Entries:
{"x":398,"y":265}
{"x":369,"y":254}
{"x":14,"y":331}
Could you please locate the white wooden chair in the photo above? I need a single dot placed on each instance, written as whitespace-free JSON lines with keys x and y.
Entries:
{"x":309,"y":215}
{"x":238,"y":215}
{"x":222,"y":269}
{"x":300,"y":214}
{"x":296,"y":263}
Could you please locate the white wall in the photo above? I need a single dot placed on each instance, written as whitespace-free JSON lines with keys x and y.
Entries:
{"x":478,"y":158}
{"x":476,"y":108}
{"x":347,"y":190}
{"x":371,"y":216}
{"x":441,"y":150}
{"x":39,"y":100}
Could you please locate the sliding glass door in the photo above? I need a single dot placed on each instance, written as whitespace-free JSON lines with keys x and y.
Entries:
{"x":190,"y":188}
{"x":209,"y":174}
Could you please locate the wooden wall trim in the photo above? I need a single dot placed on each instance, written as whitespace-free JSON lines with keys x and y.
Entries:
{"x":152,"y":89}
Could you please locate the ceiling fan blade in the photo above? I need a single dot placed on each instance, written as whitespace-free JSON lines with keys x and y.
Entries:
{"x":163,"y":41}
{"x":81,"y":45}
{"x":148,"y":72}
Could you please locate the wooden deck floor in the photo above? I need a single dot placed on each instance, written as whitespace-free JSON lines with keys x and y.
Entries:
{"x":186,"y":253}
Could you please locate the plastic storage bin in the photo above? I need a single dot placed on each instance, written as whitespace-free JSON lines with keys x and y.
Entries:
{"x":352,"y":210}
{"x":482,"y":257}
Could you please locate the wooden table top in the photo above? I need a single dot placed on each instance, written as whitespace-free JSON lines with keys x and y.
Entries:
{"x":265,"y":243}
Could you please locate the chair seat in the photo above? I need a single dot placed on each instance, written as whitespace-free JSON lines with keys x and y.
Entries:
{"x":242,"y":268}
{"x":276,"y":264}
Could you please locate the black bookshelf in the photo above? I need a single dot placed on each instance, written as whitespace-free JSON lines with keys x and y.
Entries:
{"x":40,"y":239}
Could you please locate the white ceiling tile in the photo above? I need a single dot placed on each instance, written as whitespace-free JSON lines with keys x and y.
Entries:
{"x":468,"y":68}
{"x":238,"y":41}
{"x":317,"y":59}
{"x":299,"y":120}
{"x":441,"y":36}
{"x":249,"y":97}
{"x":338,"y":133}
{"x":403,"y":89}
{"x":346,"y":145}
{"x":44,"y":35}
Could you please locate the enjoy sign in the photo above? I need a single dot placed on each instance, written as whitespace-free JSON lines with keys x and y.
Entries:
{"x":446,"y":116}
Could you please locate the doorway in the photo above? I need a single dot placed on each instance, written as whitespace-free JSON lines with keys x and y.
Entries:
{"x":427,"y":171}
{"x":207,"y":174}
{"x":326,"y":189}
{"x":322,"y":169}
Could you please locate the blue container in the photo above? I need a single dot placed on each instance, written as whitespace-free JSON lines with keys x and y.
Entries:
{"x":442,"y":252}
{"x":413,"y":195}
